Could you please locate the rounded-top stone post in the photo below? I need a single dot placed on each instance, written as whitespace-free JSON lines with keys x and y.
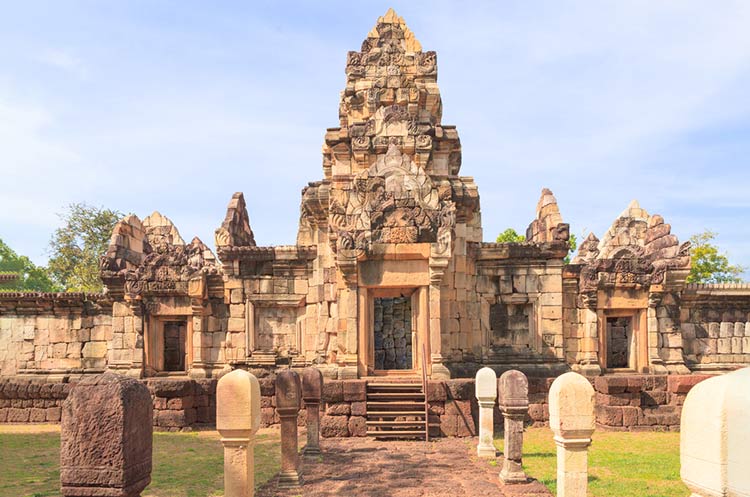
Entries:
{"x":571,"y":418}
{"x":714,"y":436}
{"x":312,"y":389}
{"x":106,"y":437}
{"x":485,"y":386}
{"x":237,"y":421}
{"x":513,"y":399}
{"x":288,"y":397}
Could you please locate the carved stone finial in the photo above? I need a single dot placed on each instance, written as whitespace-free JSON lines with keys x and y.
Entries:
{"x":548,"y":225}
{"x":235,"y":231}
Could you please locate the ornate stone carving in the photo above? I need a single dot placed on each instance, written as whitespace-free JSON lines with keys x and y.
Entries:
{"x":638,"y":250}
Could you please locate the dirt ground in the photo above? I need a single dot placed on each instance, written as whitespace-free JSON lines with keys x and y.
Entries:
{"x":365,"y":467}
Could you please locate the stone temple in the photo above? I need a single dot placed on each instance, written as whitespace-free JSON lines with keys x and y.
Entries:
{"x":389,"y":273}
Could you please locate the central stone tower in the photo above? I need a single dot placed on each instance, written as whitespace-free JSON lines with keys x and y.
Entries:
{"x":391,"y":211}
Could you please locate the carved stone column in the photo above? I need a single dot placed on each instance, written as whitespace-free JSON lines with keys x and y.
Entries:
{"x":312,"y":389}
{"x":288,"y":396}
{"x":485,"y":385}
{"x":589,"y":362}
{"x":438,"y":263}
{"x":513,"y":399}
{"x":571,"y":418}
{"x":237,"y":421}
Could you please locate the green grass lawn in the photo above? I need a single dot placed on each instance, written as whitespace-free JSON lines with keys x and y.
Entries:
{"x":185,"y":464}
{"x":621,"y":464}
{"x":191,"y":464}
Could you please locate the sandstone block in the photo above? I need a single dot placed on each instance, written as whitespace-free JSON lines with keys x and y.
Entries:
{"x":106,"y":438}
{"x":354,"y":390}
{"x":358,"y":426}
{"x":334,"y":426}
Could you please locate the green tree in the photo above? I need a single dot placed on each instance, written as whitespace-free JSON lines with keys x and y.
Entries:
{"x":76,"y":246}
{"x":510,"y":236}
{"x":573,"y":244}
{"x":30,"y":277}
{"x":708,"y":265}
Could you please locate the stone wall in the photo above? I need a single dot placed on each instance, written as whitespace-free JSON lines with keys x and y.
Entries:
{"x":623,"y":402}
{"x":715,"y":325}
{"x":53,"y":333}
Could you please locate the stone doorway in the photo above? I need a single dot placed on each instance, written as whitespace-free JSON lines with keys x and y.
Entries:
{"x":168,"y":346}
{"x":392,"y":333}
{"x":620,"y":343}
{"x":174,"y":346}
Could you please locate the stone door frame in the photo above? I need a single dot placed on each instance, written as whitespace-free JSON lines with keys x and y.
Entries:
{"x":639,"y":345}
{"x":153,"y":345}
{"x":419,"y":323}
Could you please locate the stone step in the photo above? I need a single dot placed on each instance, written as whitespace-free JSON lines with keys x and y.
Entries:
{"x":397,"y":434}
{"x":395,"y":413}
{"x":395,"y":404}
{"x":395,"y":396}
{"x":419,"y":422}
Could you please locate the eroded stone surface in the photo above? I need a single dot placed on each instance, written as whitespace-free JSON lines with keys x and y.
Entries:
{"x":513,"y":400}
{"x":288,"y":401}
{"x":106,"y":438}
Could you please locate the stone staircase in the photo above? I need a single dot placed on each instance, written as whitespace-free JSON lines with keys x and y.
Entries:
{"x":396,"y":410}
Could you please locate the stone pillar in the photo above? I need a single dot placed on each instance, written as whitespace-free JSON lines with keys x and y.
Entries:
{"x":486,"y":393}
{"x":312,"y":389}
{"x":571,"y":418}
{"x":288,"y":395}
{"x":714,"y":436}
{"x":106,"y":437}
{"x":237,"y":421}
{"x":513,"y":398}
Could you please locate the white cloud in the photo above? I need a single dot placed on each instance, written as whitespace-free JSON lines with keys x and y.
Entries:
{"x":64,"y":60}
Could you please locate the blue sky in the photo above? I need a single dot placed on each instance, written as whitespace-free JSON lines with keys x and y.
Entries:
{"x":173,"y":106}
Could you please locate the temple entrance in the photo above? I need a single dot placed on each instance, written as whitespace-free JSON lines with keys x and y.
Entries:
{"x":174,"y":346}
{"x":168,"y":346}
{"x":392,"y":333}
{"x":620,"y":343}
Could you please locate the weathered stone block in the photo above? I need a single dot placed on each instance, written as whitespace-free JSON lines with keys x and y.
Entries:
{"x":354,"y":390}
{"x":333,"y":391}
{"x":334,"y":426}
{"x":357,"y":426}
{"x":338,"y":409}
{"x":106,"y":438}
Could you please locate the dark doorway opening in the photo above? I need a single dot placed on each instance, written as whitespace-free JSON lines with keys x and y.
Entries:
{"x":619,"y":342}
{"x":175,"y":338}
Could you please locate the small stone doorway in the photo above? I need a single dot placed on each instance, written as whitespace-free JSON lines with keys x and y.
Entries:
{"x":620,"y":343}
{"x":174,"y":346}
{"x":168,"y":346}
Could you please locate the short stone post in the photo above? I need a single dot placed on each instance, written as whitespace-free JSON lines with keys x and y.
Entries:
{"x":513,"y":398}
{"x":312,"y":389}
{"x":571,"y":418}
{"x":485,"y":386}
{"x":237,"y":421}
{"x":106,"y":437}
{"x":715,"y":436}
{"x":288,"y":395}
